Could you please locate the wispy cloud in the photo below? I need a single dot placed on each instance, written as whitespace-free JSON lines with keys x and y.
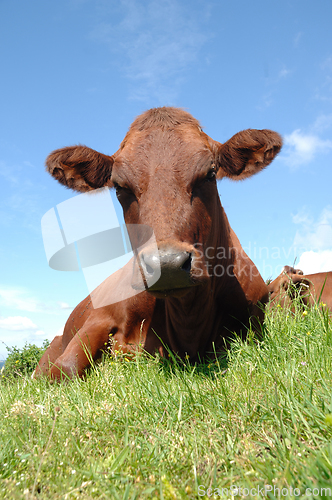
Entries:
{"x":314,"y":234}
{"x":313,"y":241}
{"x":64,"y":305}
{"x":322,"y":123}
{"x":157,"y":41}
{"x":297,"y":39}
{"x":303,"y":217}
{"x":21,"y":197}
{"x":21,"y":299}
{"x":301,"y":148}
{"x":273,"y":82}
{"x":283,"y":73}
{"x":17,"y":323}
{"x":18,"y":330}
{"x":9,"y":173}
{"x":19,"y":338}
{"x":324,"y":91}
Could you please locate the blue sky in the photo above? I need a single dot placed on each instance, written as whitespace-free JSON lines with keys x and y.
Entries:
{"x":80,"y":71}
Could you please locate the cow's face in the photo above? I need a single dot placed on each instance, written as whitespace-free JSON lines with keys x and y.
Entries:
{"x":165,"y":176}
{"x":284,"y":289}
{"x":166,"y":179}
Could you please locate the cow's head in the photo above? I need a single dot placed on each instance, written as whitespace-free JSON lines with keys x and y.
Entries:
{"x":287,"y":286}
{"x":165,"y":175}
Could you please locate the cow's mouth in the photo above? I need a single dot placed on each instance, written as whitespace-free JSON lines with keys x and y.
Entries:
{"x":173,"y":292}
{"x":162,"y":293}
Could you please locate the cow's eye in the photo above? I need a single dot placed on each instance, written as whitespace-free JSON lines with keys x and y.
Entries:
{"x":211,"y":175}
{"x":122,"y":191}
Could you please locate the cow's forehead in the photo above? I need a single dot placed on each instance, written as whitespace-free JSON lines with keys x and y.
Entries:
{"x":179,"y":143}
{"x":164,"y":117}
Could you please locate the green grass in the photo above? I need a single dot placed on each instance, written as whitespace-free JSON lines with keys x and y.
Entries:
{"x":159,"y":429}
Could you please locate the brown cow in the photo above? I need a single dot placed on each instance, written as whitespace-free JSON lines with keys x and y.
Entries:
{"x":165,"y":174}
{"x":310,"y":288}
{"x":280,"y":290}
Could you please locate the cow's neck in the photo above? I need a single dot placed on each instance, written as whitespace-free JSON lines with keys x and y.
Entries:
{"x":188,"y":318}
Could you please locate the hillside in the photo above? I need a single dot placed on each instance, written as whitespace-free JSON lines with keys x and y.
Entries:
{"x":259,"y":420}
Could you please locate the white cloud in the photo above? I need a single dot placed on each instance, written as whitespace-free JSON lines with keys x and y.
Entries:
{"x":157,"y":41}
{"x":313,"y":241}
{"x":315,"y":262}
{"x":18,"y":298}
{"x":314,"y":236}
{"x":41,"y":333}
{"x":21,"y":299}
{"x":17,"y":330}
{"x":17,"y":323}
{"x":301,"y":148}
{"x":64,"y":305}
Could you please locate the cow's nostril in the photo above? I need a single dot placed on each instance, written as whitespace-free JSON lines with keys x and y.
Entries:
{"x":150,"y":264}
{"x":187,"y":265}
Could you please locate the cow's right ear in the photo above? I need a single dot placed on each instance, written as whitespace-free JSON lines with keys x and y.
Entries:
{"x":80,"y":168}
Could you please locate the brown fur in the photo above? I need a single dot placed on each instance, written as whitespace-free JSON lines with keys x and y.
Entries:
{"x":164,"y":173}
{"x":80,"y":168}
{"x":248,"y":152}
{"x":165,"y":118}
{"x":309,"y":288}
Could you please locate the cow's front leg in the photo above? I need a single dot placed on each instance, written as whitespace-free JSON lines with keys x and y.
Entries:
{"x":83,"y":349}
{"x":49,"y":357}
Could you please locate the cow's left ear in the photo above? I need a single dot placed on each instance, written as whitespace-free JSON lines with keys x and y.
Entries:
{"x":247,"y":153}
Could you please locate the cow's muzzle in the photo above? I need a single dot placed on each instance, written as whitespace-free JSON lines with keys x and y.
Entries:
{"x":166,"y":271}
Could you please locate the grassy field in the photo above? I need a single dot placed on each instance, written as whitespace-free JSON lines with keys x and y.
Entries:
{"x":259,"y":421}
